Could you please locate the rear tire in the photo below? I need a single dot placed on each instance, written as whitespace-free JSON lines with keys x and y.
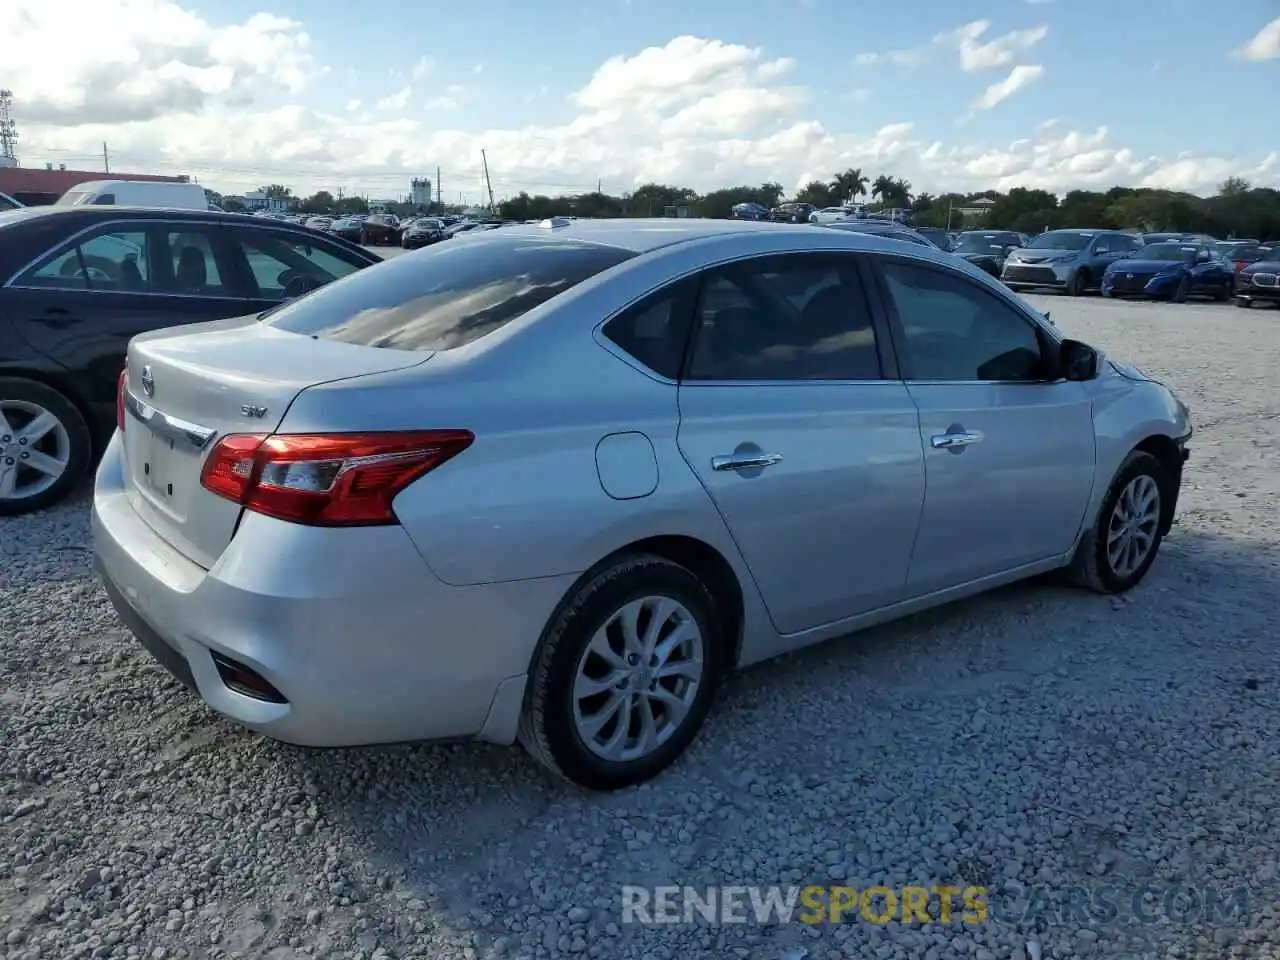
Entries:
{"x":29,"y":404}
{"x":587,"y":682}
{"x":1127,"y":516}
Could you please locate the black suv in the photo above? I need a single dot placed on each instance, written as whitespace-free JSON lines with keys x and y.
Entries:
{"x":77,"y":283}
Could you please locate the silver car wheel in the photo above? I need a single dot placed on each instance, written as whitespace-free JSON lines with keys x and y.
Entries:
{"x":637,"y":679}
{"x":1131,"y":531}
{"x":35,"y":449}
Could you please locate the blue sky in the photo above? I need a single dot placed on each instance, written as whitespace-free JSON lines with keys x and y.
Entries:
{"x":1161,"y":79}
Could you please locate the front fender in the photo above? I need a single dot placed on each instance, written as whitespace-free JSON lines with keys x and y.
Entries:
{"x":1127,"y":412}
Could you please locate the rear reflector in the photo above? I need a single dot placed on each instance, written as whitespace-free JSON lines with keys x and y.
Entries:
{"x":249,"y":683}
{"x":326,"y":480}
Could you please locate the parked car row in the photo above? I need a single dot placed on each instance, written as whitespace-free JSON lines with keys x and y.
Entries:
{"x":1172,"y":267}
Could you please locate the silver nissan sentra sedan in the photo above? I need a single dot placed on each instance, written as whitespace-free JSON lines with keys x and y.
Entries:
{"x":551,"y":482}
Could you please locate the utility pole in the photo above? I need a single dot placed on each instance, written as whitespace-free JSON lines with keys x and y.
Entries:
{"x":106,"y":158}
{"x":488,"y":184}
{"x":439,"y":194}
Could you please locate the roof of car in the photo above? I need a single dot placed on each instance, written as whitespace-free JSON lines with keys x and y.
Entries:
{"x":121,"y":212}
{"x":641,"y":235}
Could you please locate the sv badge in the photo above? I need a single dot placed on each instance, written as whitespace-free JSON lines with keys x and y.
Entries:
{"x":253,"y":410}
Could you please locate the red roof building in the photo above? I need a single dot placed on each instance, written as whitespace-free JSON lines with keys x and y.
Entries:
{"x":36,"y":187}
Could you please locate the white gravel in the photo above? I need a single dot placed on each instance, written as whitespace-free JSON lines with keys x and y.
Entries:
{"x":1037,"y":735}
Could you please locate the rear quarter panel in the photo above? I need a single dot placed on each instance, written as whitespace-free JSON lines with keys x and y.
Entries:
{"x":525,"y":500}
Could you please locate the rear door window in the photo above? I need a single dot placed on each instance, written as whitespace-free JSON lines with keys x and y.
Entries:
{"x":112,"y":260}
{"x":194,"y":263}
{"x":448,"y":296}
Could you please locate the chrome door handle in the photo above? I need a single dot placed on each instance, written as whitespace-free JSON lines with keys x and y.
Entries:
{"x":745,"y":461}
{"x":946,"y":441}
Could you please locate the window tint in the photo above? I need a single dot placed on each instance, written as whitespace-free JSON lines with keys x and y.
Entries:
{"x":105,"y":200}
{"x":654,"y":331}
{"x":286,"y":265}
{"x":784,"y":318}
{"x":448,"y":295}
{"x":954,"y":330}
{"x":109,"y":261}
{"x":195,"y":268}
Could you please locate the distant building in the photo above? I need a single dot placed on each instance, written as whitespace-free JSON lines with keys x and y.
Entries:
{"x":257,"y":200}
{"x":36,"y":187}
{"x":420,"y":194}
{"x":976,"y":209}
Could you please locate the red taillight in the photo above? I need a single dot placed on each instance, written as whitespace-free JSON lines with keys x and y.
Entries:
{"x":122,"y":385}
{"x":326,"y":480}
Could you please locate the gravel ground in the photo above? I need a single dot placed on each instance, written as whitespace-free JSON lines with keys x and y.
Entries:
{"x":1036,"y":736}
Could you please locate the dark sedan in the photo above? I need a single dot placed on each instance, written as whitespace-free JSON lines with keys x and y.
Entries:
{"x":421,"y":233}
{"x":1259,"y":283}
{"x":1170,"y":271}
{"x":348,"y":228}
{"x":988,"y":249}
{"x":792,"y":212}
{"x":381,"y":228}
{"x":79,"y":282}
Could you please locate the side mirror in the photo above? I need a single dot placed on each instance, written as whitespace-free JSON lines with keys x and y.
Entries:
{"x":1077,"y":361}
{"x":1203,"y":258}
{"x":1046,"y":316}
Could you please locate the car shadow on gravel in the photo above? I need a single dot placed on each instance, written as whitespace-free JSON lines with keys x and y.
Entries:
{"x":468,"y":832}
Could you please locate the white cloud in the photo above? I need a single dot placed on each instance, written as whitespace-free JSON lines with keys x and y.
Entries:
{"x":974,"y":55}
{"x":999,"y":52}
{"x":421,"y":68}
{"x":694,"y":111}
{"x":127,"y":61}
{"x":1019,"y":78}
{"x":1265,"y":44}
{"x":911,"y":57}
{"x":772,"y":69}
{"x":397,"y":101}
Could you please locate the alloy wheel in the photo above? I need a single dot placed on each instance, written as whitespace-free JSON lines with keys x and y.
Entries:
{"x":1131,"y":531}
{"x":637,"y":679}
{"x":35,"y":449}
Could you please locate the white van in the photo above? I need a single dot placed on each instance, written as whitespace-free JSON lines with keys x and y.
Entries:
{"x":137,"y":193}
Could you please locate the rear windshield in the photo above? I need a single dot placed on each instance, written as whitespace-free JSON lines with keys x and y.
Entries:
{"x":446,"y":296}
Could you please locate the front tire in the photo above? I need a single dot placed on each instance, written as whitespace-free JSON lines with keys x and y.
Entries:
{"x":624,"y":674}
{"x":45,"y":446}
{"x":1184,"y":290}
{"x":1077,"y":282}
{"x":1126,"y":537}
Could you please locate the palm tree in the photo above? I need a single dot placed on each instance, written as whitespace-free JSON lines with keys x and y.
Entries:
{"x":883,"y":188}
{"x":850,"y":184}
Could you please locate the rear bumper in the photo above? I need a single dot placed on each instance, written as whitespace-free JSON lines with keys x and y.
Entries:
{"x":364,"y":643}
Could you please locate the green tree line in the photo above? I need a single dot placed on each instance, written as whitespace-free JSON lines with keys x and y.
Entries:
{"x":1238,"y":209}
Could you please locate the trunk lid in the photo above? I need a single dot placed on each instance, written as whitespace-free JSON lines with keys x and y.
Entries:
{"x":191,"y":386}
